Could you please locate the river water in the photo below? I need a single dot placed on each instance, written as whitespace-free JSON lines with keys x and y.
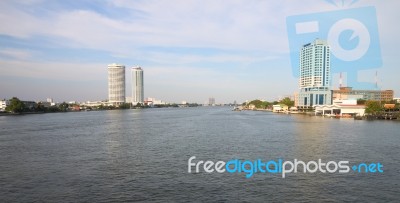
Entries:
{"x":142,"y":155}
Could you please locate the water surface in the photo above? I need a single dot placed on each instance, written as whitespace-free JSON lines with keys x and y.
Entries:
{"x":141,"y":155}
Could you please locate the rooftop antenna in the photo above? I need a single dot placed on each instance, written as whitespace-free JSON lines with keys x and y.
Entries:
{"x":340,"y":80}
{"x":376,"y":80}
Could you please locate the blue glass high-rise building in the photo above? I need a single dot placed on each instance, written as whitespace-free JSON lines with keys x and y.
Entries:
{"x":315,"y":75}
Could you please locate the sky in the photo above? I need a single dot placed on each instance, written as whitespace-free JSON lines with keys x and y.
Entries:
{"x":189,"y":50}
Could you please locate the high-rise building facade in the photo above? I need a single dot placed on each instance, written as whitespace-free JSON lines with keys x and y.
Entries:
{"x":137,"y":86}
{"x":211,"y":101}
{"x":315,"y":74}
{"x":116,"y":84}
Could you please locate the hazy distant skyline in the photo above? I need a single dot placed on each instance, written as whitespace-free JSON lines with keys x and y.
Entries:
{"x":189,"y":50}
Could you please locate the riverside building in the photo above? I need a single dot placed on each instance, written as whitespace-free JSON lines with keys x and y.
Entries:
{"x":116,"y":84}
{"x":344,"y":93}
{"x":314,"y":81}
{"x":137,"y":86}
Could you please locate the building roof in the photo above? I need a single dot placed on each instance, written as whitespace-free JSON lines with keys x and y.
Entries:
{"x":389,"y":106}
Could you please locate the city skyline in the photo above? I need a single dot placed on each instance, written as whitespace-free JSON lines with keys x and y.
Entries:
{"x":191,"y":51}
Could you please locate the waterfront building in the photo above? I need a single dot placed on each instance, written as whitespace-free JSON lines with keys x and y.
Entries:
{"x":51,"y":101}
{"x":45,"y":104}
{"x":280,"y":108}
{"x":116,"y":84}
{"x":30,"y":105}
{"x":211,"y":101}
{"x":128,"y":99}
{"x":137,"y":86}
{"x":95,"y":103}
{"x":252,"y":107}
{"x":296,"y":99}
{"x":375,"y":95}
{"x":341,"y":108}
{"x":314,"y":81}
{"x":3,"y":104}
{"x":153,"y":101}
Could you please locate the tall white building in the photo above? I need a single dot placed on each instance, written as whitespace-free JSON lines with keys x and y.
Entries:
{"x":211,"y":101}
{"x":315,"y":74}
{"x":116,"y":84}
{"x":137,"y":86}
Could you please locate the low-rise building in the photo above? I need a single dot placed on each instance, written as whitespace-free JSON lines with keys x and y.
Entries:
{"x":154,"y":101}
{"x":280,"y":108}
{"x":252,"y":106}
{"x":45,"y":103}
{"x":95,"y":103}
{"x":347,"y":93}
{"x":389,"y":106}
{"x":3,"y":104}
{"x":341,"y":108}
{"x":30,"y":105}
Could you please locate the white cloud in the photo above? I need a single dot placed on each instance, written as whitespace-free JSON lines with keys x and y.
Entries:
{"x":236,"y":25}
{"x":179,"y":59}
{"x":16,"y":54}
{"x":53,"y":70}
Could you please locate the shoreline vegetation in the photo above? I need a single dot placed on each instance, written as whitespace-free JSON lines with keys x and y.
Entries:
{"x":380,"y":116}
{"x":17,"y":107}
{"x":374,"y":110}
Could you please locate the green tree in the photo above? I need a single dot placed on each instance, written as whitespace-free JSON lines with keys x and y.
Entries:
{"x":287,"y":101}
{"x":53,"y":109}
{"x":193,"y":105}
{"x":16,"y":106}
{"x":361,"y":101}
{"x":259,"y":104}
{"x":39,"y":107}
{"x":63,"y":107}
{"x":373,"y":107}
{"x":125,"y":106}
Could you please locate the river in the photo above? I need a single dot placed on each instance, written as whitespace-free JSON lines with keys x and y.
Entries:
{"x":142,"y":155}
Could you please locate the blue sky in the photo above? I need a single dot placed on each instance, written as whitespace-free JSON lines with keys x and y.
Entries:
{"x":189,"y":50}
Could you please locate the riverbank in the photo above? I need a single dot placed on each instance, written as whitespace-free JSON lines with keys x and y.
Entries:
{"x":380,"y":116}
{"x":83,"y":110}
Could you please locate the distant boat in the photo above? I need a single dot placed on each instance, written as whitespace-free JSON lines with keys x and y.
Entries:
{"x":236,"y":108}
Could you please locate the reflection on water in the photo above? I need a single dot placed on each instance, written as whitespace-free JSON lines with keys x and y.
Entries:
{"x":311,"y":137}
{"x":115,"y":156}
